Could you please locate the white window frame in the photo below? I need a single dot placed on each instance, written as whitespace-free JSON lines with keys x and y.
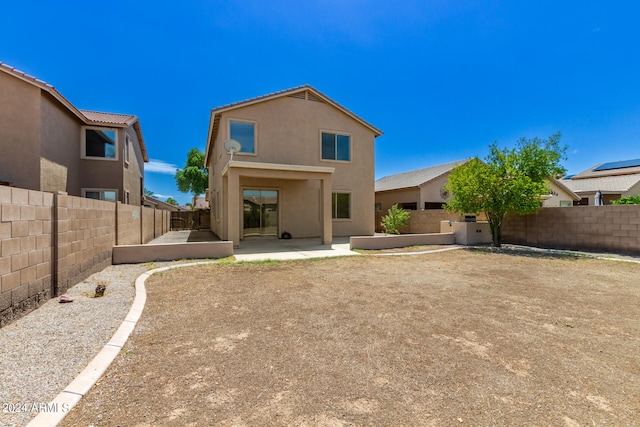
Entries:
{"x":334,"y":193}
{"x":86,"y":190}
{"x":83,"y":144}
{"x":255,"y":135}
{"x":127,"y":147}
{"x":127,"y":197}
{"x":336,"y":132}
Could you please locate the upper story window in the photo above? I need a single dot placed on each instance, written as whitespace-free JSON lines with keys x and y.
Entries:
{"x":127,"y":145}
{"x":245,"y":134}
{"x":336,"y":146}
{"x":99,"y":143}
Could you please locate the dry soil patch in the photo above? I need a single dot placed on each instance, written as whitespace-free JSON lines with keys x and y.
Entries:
{"x":453,"y":338}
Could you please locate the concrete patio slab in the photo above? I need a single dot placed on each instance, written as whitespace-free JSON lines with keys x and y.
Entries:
{"x":261,"y":248}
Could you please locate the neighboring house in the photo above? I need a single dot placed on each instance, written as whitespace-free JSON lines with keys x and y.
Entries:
{"x":201,"y":203}
{"x":612,"y":180}
{"x":561,"y":195}
{"x":50,"y":145}
{"x":414,"y":190}
{"x":306,"y":167}
{"x":423,"y":189}
{"x":152,"y":202}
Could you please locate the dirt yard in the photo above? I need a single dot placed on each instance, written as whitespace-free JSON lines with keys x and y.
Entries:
{"x":458,"y":338}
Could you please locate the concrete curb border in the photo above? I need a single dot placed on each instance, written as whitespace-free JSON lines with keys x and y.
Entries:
{"x":60,"y":406}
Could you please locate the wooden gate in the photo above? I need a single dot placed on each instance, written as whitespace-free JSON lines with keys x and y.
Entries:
{"x":190,"y":220}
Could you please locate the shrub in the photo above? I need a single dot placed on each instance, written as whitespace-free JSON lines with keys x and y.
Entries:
{"x":395,"y":219}
{"x":628,"y":200}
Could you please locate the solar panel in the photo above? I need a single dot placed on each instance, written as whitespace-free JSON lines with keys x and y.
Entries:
{"x":618,"y":165}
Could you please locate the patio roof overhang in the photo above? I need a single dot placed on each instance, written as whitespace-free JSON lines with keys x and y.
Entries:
{"x":234,"y":171}
{"x":277,"y":170}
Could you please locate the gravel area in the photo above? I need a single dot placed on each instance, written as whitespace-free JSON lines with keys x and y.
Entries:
{"x":45,"y":350}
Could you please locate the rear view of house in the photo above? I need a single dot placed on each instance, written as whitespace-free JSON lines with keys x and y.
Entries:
{"x":50,"y":145}
{"x":304,"y":165}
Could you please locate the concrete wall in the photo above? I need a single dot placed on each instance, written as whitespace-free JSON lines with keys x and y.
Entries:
{"x":596,"y":228}
{"x":86,"y":233}
{"x":51,"y":241}
{"x":148,"y":224}
{"x":26,"y":250}
{"x":423,"y":221}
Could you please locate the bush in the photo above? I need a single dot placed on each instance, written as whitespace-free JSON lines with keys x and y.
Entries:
{"x":395,"y":219}
{"x":628,"y":200}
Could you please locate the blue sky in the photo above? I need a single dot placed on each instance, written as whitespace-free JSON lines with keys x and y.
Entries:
{"x":442,"y":79}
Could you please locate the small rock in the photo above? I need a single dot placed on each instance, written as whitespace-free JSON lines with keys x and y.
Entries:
{"x":65,"y":298}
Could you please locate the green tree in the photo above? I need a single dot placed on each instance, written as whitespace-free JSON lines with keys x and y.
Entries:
{"x":508,"y":181}
{"x":194,"y":177}
{"x":627,"y":200}
{"x":148,"y":192}
{"x":394,"y":220}
{"x":172,"y":201}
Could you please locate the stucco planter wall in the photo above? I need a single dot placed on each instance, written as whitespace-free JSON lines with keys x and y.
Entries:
{"x":400,"y":241}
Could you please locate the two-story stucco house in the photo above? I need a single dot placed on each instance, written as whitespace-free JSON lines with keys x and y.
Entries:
{"x":305,"y":167}
{"x":48,"y":144}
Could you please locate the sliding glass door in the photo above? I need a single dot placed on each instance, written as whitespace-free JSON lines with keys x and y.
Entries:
{"x":260,"y":212}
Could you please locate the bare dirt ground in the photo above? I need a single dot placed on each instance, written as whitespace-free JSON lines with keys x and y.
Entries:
{"x":453,"y":338}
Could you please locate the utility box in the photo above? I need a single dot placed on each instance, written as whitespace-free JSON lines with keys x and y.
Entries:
{"x":468,"y":233}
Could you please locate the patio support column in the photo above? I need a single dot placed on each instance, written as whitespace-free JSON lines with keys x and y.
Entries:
{"x":327,"y":222}
{"x":233,"y":207}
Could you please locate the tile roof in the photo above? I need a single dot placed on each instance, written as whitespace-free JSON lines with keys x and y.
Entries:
{"x":415,"y":178}
{"x":109,"y":118}
{"x":617,"y":184}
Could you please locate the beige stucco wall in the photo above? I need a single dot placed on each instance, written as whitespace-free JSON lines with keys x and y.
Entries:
{"x":103,"y":173}
{"x":19,"y":132}
{"x":134,"y":171}
{"x":386,"y":199}
{"x":60,"y":148}
{"x":288,"y":131}
{"x":430,"y":191}
{"x":558,"y":195}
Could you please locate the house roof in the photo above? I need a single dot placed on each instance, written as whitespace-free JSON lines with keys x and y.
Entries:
{"x":119,"y":120}
{"x":612,"y":184}
{"x":622,"y":167}
{"x":415,"y":178}
{"x":87,"y":117}
{"x":562,"y":186}
{"x":303,"y":92}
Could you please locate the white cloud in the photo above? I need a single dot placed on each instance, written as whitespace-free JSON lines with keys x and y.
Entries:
{"x":161,"y":196}
{"x":159,"y":166}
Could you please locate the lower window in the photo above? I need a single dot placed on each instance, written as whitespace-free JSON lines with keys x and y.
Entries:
{"x":108,"y":195}
{"x":340,"y":205}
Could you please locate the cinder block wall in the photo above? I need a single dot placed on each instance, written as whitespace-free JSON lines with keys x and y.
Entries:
{"x":129,"y":225}
{"x":595,"y":228}
{"x":158,"y":223}
{"x":424,"y":221}
{"x":86,"y":234}
{"x":148,"y":224}
{"x":25,"y":251}
{"x":49,"y":242}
